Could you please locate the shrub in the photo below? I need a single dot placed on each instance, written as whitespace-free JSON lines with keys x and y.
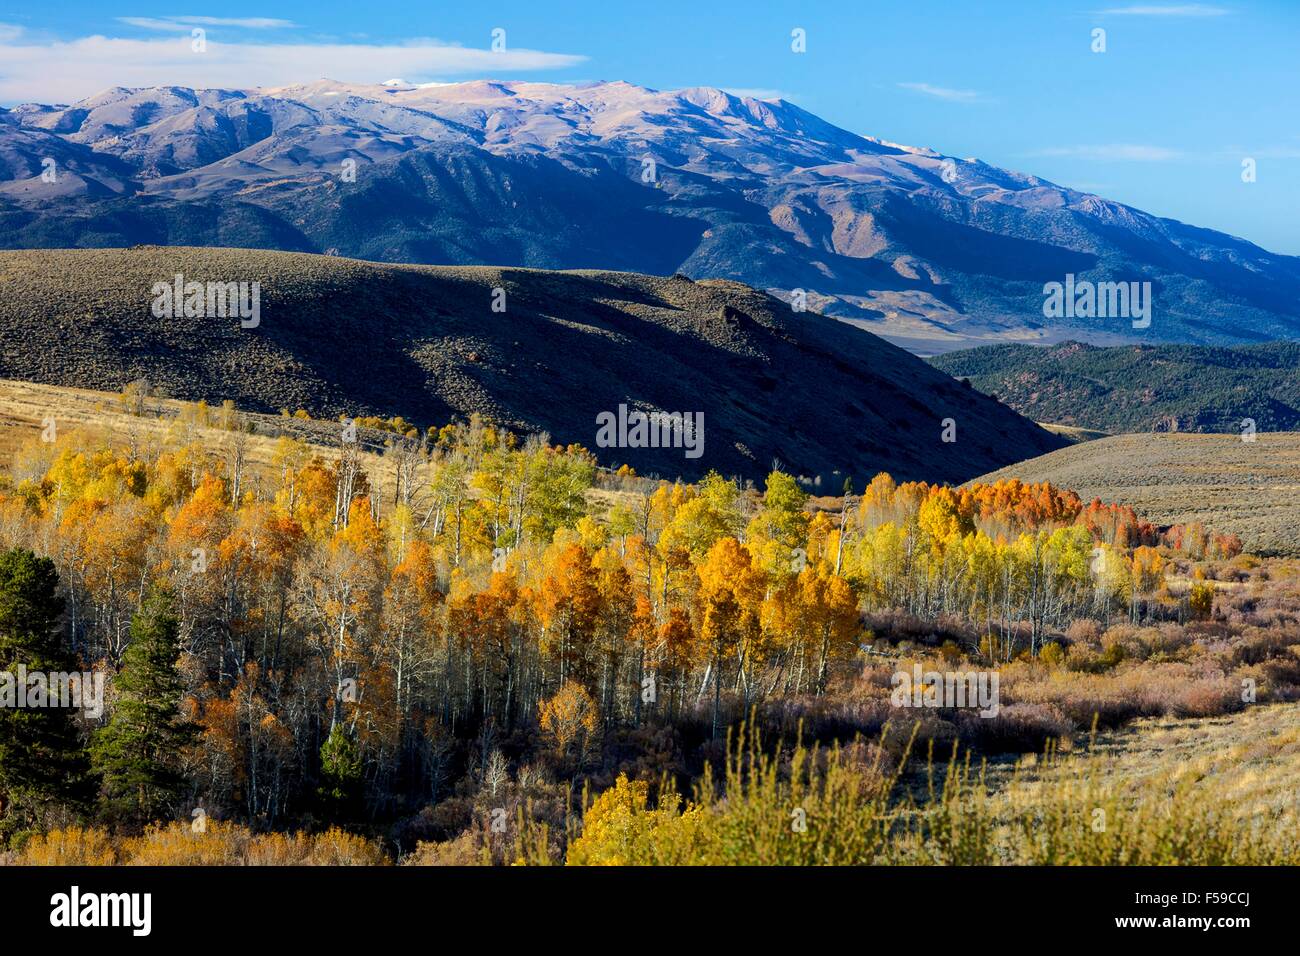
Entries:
{"x":1052,"y":655}
{"x":1081,"y":657}
{"x":1200,"y":600}
{"x":816,"y":810}
{"x":337,"y":847}
{"x":465,"y":850}
{"x":177,"y":844}
{"x":217,"y":843}
{"x":620,"y":828}
{"x":73,"y":846}
{"x":1083,"y":631}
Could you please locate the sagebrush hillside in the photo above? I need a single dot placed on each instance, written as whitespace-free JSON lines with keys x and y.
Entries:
{"x":341,"y":336}
{"x":1249,"y":488}
{"x":1135,"y":388}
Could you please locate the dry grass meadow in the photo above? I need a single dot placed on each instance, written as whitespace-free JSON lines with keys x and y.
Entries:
{"x":25,"y":408}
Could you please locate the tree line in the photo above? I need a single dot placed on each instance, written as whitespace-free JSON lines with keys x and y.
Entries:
{"x":291,"y":631}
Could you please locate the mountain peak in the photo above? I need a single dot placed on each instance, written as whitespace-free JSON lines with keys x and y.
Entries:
{"x":932,"y":251}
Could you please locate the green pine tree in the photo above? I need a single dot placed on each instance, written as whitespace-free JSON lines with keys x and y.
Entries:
{"x":43,"y":767}
{"x":340,"y":770}
{"x":138,"y":752}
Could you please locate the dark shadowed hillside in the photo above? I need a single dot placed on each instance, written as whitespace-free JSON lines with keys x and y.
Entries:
{"x":339,"y":336}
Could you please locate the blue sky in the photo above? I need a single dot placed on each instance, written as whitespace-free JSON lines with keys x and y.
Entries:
{"x":1161,"y":120}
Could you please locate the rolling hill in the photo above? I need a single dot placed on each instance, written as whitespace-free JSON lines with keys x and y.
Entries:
{"x":934,"y":252}
{"x":338,"y":336}
{"x":1251,"y":489}
{"x":1141,"y":388}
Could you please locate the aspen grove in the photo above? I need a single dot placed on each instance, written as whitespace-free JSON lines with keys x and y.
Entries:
{"x":358,"y":626}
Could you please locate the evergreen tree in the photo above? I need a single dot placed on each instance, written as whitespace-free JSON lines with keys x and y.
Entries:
{"x":43,"y":763}
{"x":340,"y":769}
{"x":138,"y":752}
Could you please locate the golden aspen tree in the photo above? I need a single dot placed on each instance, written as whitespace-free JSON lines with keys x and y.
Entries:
{"x":569,"y":604}
{"x":730,"y":598}
{"x":569,"y":719}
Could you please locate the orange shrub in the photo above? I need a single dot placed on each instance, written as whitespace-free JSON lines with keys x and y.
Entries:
{"x":73,"y":846}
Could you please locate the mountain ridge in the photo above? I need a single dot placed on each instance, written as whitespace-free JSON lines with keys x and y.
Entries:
{"x":934,"y":252}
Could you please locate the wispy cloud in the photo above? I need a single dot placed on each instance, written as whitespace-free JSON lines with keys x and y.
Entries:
{"x":1166,"y":10}
{"x":186,"y":23}
{"x":9,"y":32}
{"x":1114,"y":152}
{"x":1233,"y":153}
{"x":1141,"y":153}
{"x":66,"y":71}
{"x":943,"y":92}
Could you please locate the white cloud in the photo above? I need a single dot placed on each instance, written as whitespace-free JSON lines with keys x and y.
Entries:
{"x":1139,"y":153}
{"x":67,"y":71}
{"x":152,"y":23}
{"x":1114,"y":153}
{"x":1166,"y":10}
{"x":185,"y":23}
{"x":251,"y":23}
{"x":1233,"y":153}
{"x":9,"y":32}
{"x":943,"y":92}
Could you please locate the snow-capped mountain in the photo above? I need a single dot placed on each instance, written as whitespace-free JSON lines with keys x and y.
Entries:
{"x":934,"y":252}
